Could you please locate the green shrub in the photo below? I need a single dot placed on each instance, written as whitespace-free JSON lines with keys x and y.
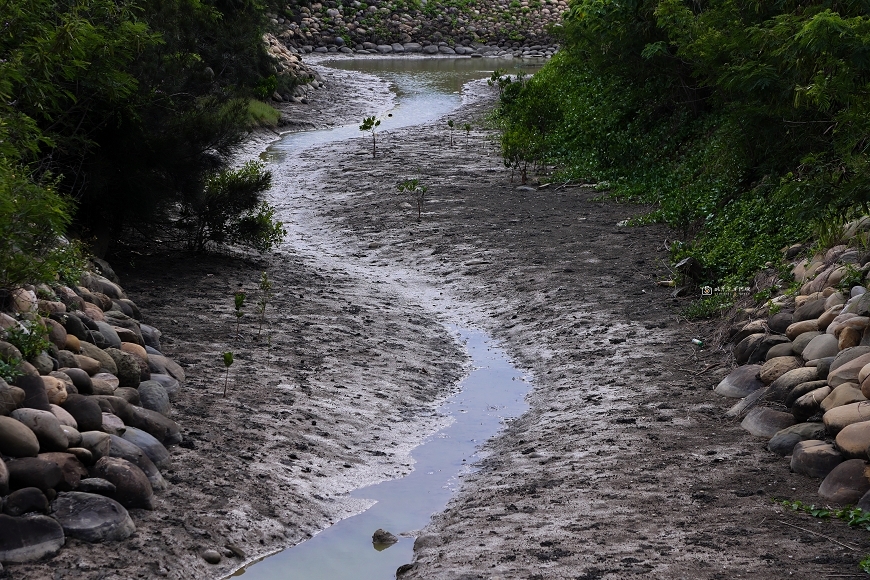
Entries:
{"x":9,"y":370}
{"x":744,"y":124}
{"x":33,"y":220}
{"x":230,"y":211}
{"x":29,"y":337}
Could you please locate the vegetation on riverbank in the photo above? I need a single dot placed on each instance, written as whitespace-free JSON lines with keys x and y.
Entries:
{"x":745,"y":123}
{"x":124,"y":110}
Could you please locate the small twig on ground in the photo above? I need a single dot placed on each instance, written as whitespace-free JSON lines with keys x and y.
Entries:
{"x":707,"y":368}
{"x":829,"y":538}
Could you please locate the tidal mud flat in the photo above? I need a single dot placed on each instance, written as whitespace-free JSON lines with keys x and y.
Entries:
{"x":333,"y":393}
{"x":623,"y":466}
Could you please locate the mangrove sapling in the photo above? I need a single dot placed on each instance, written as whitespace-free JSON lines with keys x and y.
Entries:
{"x":467,"y":128}
{"x":371,"y":125}
{"x":228,"y":362}
{"x":451,"y":125}
{"x":415,"y":188}
{"x":263,"y":302}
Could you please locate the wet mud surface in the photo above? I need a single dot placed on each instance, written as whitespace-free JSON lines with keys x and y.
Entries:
{"x":622,"y":468}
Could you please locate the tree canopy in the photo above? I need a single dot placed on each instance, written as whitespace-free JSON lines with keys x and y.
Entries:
{"x":745,"y":121}
{"x":126,"y":106}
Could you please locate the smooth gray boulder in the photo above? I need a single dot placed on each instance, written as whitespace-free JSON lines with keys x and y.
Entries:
{"x":109,"y":333}
{"x":766,"y":422}
{"x":153,"y":396}
{"x":29,"y":538}
{"x":92,"y":518}
{"x":846,"y":483}
{"x":153,"y":448}
{"x":16,"y":439}
{"x":740,"y":382}
{"x":815,"y":458}
{"x":162,"y":428}
{"x":96,"y":485}
{"x":132,"y":453}
{"x":45,"y":426}
{"x":822,"y":346}
{"x":26,"y":500}
{"x":783,"y":442}
{"x":132,"y":488}
{"x":168,"y":382}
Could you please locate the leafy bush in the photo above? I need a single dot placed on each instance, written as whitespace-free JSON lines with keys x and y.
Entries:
{"x":9,"y":370}
{"x":230,"y":211}
{"x":129,"y":104}
{"x":744,"y":123}
{"x":33,"y":219}
{"x":29,"y":337}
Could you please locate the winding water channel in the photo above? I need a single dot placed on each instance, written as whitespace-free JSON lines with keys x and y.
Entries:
{"x":491,"y":394}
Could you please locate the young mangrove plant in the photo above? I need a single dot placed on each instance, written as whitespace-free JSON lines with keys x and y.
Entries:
{"x":451,"y":125}
{"x":415,"y":188}
{"x":467,"y":128}
{"x":371,"y":125}
{"x":228,"y":362}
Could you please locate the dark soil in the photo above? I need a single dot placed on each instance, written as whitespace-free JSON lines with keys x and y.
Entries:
{"x":623,"y":467}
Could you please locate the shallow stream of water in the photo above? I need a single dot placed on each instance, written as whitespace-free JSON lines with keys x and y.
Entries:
{"x":425,"y":88}
{"x":493,"y":392}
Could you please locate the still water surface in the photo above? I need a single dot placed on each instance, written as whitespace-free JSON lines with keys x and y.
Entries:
{"x":492,"y":393}
{"x":425,"y":88}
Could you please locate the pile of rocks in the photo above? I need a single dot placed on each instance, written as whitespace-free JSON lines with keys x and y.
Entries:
{"x":84,"y":424}
{"x":804,"y":382}
{"x":514,"y":28}
{"x":288,"y":64}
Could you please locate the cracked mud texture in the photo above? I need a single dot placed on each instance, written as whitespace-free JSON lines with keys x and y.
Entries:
{"x":622,"y":468}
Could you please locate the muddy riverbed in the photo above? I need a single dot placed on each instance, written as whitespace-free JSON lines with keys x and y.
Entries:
{"x":623,"y":467}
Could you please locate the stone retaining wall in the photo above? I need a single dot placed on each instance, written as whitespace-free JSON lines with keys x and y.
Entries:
{"x":502,"y":27}
{"x":84,"y":423}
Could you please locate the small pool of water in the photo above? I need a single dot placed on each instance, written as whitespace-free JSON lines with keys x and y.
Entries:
{"x":426,"y":89}
{"x":492,"y":393}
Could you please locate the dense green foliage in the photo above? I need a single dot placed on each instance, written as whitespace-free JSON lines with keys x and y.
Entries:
{"x":230,"y":210}
{"x":745,"y":122}
{"x":30,"y":338}
{"x":124,"y":107}
{"x":32,"y":220}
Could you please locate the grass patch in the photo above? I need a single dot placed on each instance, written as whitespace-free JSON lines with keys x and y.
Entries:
{"x":261,"y":114}
{"x":708,"y":307}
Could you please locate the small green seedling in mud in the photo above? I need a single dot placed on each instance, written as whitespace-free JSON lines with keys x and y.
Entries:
{"x":263,"y":302}
{"x":467,"y":128}
{"x":228,"y":362}
{"x":414,"y":187}
{"x":451,"y":125}
{"x":371,"y":125}
{"x":239,"y":303}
